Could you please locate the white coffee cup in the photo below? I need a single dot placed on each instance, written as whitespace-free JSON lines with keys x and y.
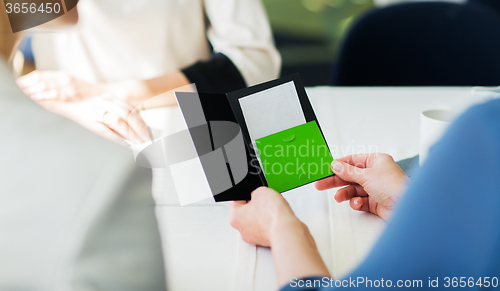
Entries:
{"x":433,"y":123}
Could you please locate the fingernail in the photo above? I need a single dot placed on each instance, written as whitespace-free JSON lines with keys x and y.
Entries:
{"x":356,"y":201}
{"x":336,"y":166}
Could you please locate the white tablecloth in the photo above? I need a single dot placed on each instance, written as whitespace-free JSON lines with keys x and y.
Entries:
{"x":201,"y":250}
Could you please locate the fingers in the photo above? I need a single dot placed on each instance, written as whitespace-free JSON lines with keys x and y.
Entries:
{"x":125,"y":120}
{"x":137,"y":125}
{"x":360,"y":160}
{"x":235,"y":205}
{"x":360,"y":204}
{"x":235,"y":209}
{"x":357,"y":197}
{"x":367,"y":205}
{"x":59,"y":95}
{"x":48,"y":85}
{"x":45,"y":95}
{"x":51,"y":78}
{"x":114,"y":122}
{"x":330,"y":182}
{"x":131,"y":116}
{"x":349,"y":192}
{"x":263,"y":190}
{"x":104,"y":131}
{"x":348,"y":173}
{"x":232,"y":208}
{"x":35,"y":88}
{"x":30,"y":79}
{"x":99,"y":115}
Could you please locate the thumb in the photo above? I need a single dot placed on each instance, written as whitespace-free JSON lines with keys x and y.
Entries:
{"x":348,"y":172}
{"x":236,"y":204}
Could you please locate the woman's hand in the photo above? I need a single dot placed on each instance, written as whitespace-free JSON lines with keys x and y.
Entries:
{"x":375,"y":182}
{"x":268,"y":220}
{"x":258,"y":218}
{"x":60,"y":86}
{"x":106,"y":116}
{"x":57,"y":85}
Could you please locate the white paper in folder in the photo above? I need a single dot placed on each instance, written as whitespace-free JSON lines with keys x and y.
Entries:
{"x":272,"y":110}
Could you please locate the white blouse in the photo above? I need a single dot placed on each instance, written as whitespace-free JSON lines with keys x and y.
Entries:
{"x":128,"y":39}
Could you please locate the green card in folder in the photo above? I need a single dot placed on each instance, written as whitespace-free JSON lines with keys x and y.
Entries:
{"x":294,"y":157}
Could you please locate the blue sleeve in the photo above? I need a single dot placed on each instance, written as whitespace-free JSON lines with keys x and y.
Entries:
{"x":448,"y":222}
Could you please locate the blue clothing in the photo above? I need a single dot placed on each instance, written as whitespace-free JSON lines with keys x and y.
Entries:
{"x":448,"y":222}
{"x":410,"y":166}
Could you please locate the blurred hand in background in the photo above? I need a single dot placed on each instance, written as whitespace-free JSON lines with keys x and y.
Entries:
{"x":109,"y":117}
{"x":42,"y":85}
{"x":57,"y":85}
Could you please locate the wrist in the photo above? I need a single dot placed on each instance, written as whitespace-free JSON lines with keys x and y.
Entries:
{"x":294,"y":250}
{"x":124,"y":90}
{"x":136,"y":92}
{"x":286,"y":225}
{"x":94,"y":90}
{"x":399,"y":189}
